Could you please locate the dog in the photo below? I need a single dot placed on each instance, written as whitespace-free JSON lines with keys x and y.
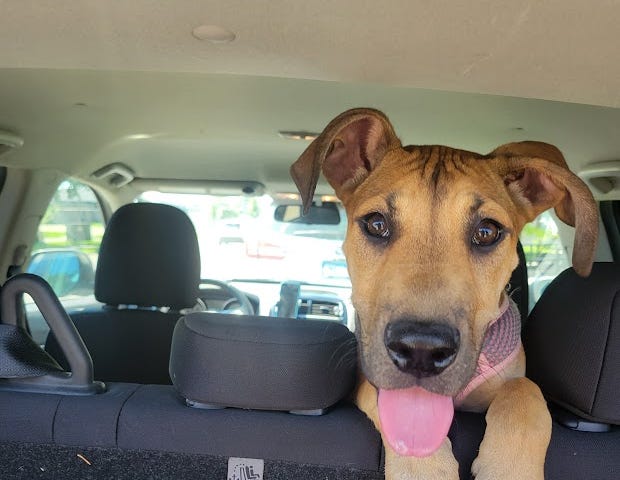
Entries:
{"x":430,"y":247}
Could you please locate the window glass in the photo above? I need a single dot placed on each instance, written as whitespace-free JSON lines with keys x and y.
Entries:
{"x":544,"y":253}
{"x":66,"y":250}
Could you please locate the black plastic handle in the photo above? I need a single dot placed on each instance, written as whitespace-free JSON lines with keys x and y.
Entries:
{"x":72,"y":345}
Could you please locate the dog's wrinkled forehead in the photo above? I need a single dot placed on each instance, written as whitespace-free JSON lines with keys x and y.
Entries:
{"x":436,"y":163}
{"x":416,"y":182}
{"x":534,"y":175}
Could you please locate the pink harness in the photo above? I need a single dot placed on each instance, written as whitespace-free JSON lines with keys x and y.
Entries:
{"x":500,"y":346}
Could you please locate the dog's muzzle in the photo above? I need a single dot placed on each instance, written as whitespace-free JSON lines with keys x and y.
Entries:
{"x":421,"y":349}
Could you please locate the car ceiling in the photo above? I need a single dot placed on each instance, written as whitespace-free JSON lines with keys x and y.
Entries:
{"x":91,"y":83}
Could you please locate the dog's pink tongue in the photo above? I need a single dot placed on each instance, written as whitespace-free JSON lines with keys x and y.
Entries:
{"x":414,"y":421}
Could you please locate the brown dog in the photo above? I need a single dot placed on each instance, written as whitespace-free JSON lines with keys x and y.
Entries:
{"x":430,"y":247}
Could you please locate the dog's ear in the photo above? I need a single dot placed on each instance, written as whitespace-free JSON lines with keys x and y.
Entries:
{"x":537,"y":177}
{"x":349,"y":148}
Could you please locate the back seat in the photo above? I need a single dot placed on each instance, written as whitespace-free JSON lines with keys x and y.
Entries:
{"x":151,"y":431}
{"x":265,"y":366}
{"x":572,"y":344}
{"x":138,"y":418}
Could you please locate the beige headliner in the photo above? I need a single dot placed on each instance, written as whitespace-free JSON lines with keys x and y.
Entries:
{"x":137,"y":70}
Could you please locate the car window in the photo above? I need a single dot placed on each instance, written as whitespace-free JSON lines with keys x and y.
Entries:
{"x":66,"y":249}
{"x":544,"y":253}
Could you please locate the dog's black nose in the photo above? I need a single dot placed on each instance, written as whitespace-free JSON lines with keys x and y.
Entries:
{"x":422,"y":349}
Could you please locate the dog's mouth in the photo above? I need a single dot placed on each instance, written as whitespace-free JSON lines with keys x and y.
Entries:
{"x":414,"y":421}
{"x":418,"y":370}
{"x":416,"y":399}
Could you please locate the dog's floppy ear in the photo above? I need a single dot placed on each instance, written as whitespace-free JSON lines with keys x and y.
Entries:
{"x":537,"y":177}
{"x":347,"y":150}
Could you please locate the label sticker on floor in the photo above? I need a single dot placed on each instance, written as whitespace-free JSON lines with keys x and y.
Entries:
{"x":245,"y":468}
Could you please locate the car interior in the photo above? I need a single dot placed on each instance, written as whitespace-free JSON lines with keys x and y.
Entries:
{"x":166,"y":311}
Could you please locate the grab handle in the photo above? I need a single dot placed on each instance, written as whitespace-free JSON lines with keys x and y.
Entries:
{"x":80,"y":381}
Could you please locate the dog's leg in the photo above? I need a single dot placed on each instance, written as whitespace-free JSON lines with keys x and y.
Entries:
{"x":517,"y":434}
{"x":440,"y":466}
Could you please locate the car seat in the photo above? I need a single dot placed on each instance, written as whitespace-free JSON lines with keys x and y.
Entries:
{"x":148,"y":270}
{"x":572,"y":343}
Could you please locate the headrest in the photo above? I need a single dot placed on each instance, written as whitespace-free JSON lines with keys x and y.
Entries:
{"x":149,"y":256}
{"x":264,"y":363}
{"x":572,"y":343}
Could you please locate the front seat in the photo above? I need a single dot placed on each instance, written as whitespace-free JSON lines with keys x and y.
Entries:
{"x":148,"y":270}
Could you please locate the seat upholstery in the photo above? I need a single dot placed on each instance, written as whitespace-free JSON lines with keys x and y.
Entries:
{"x":297,"y":365}
{"x":572,"y":342}
{"x":149,"y":256}
{"x":149,"y":259}
{"x":153,"y":418}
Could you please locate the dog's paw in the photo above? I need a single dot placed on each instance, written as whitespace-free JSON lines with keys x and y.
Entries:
{"x":440,"y":466}
{"x":488,"y":468}
{"x":517,"y":435}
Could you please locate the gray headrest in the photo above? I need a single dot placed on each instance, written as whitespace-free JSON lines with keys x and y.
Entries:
{"x":262,"y":363}
{"x":149,"y":256}
{"x":572,"y":343}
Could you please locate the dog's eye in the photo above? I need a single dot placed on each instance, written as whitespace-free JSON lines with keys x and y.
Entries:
{"x":486,"y":233}
{"x":376,"y":225}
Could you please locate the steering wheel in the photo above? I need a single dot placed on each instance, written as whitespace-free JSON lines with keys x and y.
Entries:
{"x":237,"y":296}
